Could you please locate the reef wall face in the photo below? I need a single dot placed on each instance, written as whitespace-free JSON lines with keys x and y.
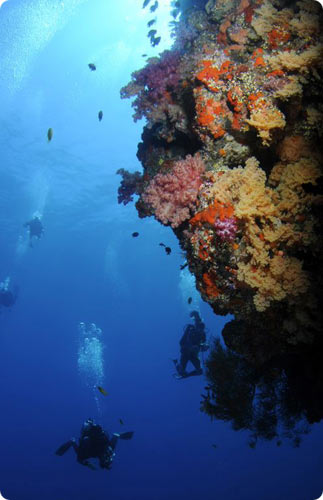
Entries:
{"x":232,"y":157}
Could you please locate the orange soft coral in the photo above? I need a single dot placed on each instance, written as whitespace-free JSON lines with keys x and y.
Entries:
{"x":210,"y":287}
{"x":213,"y":211}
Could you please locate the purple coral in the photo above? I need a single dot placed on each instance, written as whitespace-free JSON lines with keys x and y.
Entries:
{"x":174,"y":194}
{"x":130,"y":185}
{"x":152,"y":83}
{"x":184,"y":34}
{"x":226,"y":228}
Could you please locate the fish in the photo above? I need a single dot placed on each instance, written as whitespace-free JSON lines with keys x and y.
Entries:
{"x":143,"y":55}
{"x":154,"y":7}
{"x":167,"y":249}
{"x":49,"y":134}
{"x":213,"y":445}
{"x":151,"y":33}
{"x":146,"y":2}
{"x":121,"y":421}
{"x":151,"y":22}
{"x":183,"y":266}
{"x":189,"y":300}
{"x":100,"y":115}
{"x":103,"y":391}
{"x":155,"y":41}
{"x":92,"y":66}
{"x":135,"y":234}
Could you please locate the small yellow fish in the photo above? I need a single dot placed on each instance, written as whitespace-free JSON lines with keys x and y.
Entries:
{"x":50,"y":134}
{"x":103,"y":391}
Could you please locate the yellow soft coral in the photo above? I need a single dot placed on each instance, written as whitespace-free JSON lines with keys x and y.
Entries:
{"x":267,"y":17}
{"x":282,"y":277}
{"x":253,"y":198}
{"x":273,"y":216}
{"x":292,"y":88}
{"x":265,"y":120}
{"x":306,"y":25}
{"x":301,"y":62}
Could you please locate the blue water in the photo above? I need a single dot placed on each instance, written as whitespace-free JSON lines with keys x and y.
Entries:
{"x":89,"y":268}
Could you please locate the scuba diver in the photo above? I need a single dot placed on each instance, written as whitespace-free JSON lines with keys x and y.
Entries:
{"x":94,"y":442}
{"x":35,"y":228}
{"x":192,"y":343}
{"x":7,"y":297}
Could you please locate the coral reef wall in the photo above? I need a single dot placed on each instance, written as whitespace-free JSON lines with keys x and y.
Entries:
{"x":232,"y":158}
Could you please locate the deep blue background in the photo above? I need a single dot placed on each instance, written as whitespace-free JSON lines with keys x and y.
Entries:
{"x":87,"y":267}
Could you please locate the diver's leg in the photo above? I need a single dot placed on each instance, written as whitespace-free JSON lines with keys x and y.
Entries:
{"x":66,"y":446}
{"x":181,"y":366}
{"x":75,"y":446}
{"x":196,"y":362}
{"x":86,"y":463}
{"x":194,"y":359}
{"x":114,"y":440}
{"x":126,"y":435}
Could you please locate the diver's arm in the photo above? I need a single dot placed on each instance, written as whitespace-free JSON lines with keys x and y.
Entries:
{"x":185,"y":340}
{"x":89,"y":465}
{"x":86,"y":463}
{"x":203,"y":337}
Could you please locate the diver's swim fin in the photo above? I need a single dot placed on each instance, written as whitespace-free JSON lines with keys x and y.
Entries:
{"x":64,"y":448}
{"x":126,"y":435}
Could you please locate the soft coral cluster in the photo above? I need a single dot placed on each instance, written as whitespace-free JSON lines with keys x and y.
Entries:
{"x":130,"y":185}
{"x":226,"y":229}
{"x":174,"y":194}
{"x":153,"y":83}
{"x":244,"y":93}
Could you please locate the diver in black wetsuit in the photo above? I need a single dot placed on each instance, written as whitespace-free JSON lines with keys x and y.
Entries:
{"x":7,"y":297}
{"x":94,"y":442}
{"x":192,"y":343}
{"x":35,"y":228}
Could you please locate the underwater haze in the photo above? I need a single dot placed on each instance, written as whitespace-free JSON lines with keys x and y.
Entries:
{"x":89,"y":268}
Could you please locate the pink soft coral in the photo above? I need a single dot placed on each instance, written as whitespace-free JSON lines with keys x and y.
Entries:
{"x":174,"y":194}
{"x":226,"y":229}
